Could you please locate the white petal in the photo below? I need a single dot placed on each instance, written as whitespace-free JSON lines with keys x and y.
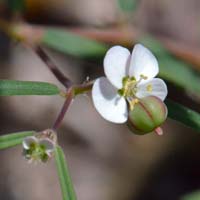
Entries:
{"x":108,"y":103}
{"x":116,"y":63}
{"x":158,"y":86}
{"x":28,"y":141}
{"x":143,"y":62}
{"x":48,"y":144}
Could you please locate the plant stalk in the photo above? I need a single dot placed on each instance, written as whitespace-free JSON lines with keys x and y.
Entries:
{"x":64,"y":109}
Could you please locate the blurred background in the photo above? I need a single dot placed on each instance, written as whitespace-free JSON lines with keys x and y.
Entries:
{"x":106,"y":161}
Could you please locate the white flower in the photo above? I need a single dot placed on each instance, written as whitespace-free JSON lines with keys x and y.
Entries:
{"x":38,"y":149}
{"x":128,"y":78}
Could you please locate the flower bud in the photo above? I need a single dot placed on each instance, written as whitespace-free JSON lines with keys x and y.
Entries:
{"x":148,"y":114}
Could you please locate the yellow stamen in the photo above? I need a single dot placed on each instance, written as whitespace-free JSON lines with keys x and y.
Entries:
{"x":132,"y":103}
{"x":143,"y":77}
{"x":130,"y":87}
{"x":149,"y":88}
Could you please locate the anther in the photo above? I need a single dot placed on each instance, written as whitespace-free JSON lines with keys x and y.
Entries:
{"x":149,"y":88}
{"x":132,"y":103}
{"x":143,"y":77}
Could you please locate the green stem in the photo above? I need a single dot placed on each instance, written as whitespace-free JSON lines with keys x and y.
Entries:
{"x":80,"y":89}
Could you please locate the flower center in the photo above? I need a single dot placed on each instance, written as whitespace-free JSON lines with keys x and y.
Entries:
{"x":129,"y":89}
{"x":36,"y":152}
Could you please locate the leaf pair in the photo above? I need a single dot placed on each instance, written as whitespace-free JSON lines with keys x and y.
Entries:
{"x":13,"y":139}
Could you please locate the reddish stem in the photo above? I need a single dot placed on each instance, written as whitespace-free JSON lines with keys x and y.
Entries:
{"x":64,"y":109}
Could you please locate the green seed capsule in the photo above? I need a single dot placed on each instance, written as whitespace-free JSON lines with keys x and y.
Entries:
{"x":148,"y":114}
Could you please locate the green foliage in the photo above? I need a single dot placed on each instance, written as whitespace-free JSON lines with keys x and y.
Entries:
{"x":172,"y":69}
{"x":183,"y":114}
{"x":64,"y":177}
{"x":73,"y":44}
{"x":13,"y":139}
{"x":180,"y":74}
{"x":152,"y":43}
{"x":12,"y":87}
{"x":127,"y":5}
{"x":193,"y":196}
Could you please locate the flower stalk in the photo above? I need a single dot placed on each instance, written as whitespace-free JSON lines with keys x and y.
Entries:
{"x":67,"y":103}
{"x":70,"y":95}
{"x":82,"y":88}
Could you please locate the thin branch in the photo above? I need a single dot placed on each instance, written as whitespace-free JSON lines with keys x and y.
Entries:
{"x":57,"y":73}
{"x":64,"y":109}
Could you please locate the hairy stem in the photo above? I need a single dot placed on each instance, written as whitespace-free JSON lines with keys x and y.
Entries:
{"x":54,"y":69}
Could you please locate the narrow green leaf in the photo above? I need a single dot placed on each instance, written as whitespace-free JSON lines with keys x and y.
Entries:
{"x":12,"y":87}
{"x":13,"y":139}
{"x":156,"y":46}
{"x":73,"y":44}
{"x":183,"y":114}
{"x":127,"y":5}
{"x":192,"y":196}
{"x":180,"y":74}
{"x":173,"y":69}
{"x":63,"y":174}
